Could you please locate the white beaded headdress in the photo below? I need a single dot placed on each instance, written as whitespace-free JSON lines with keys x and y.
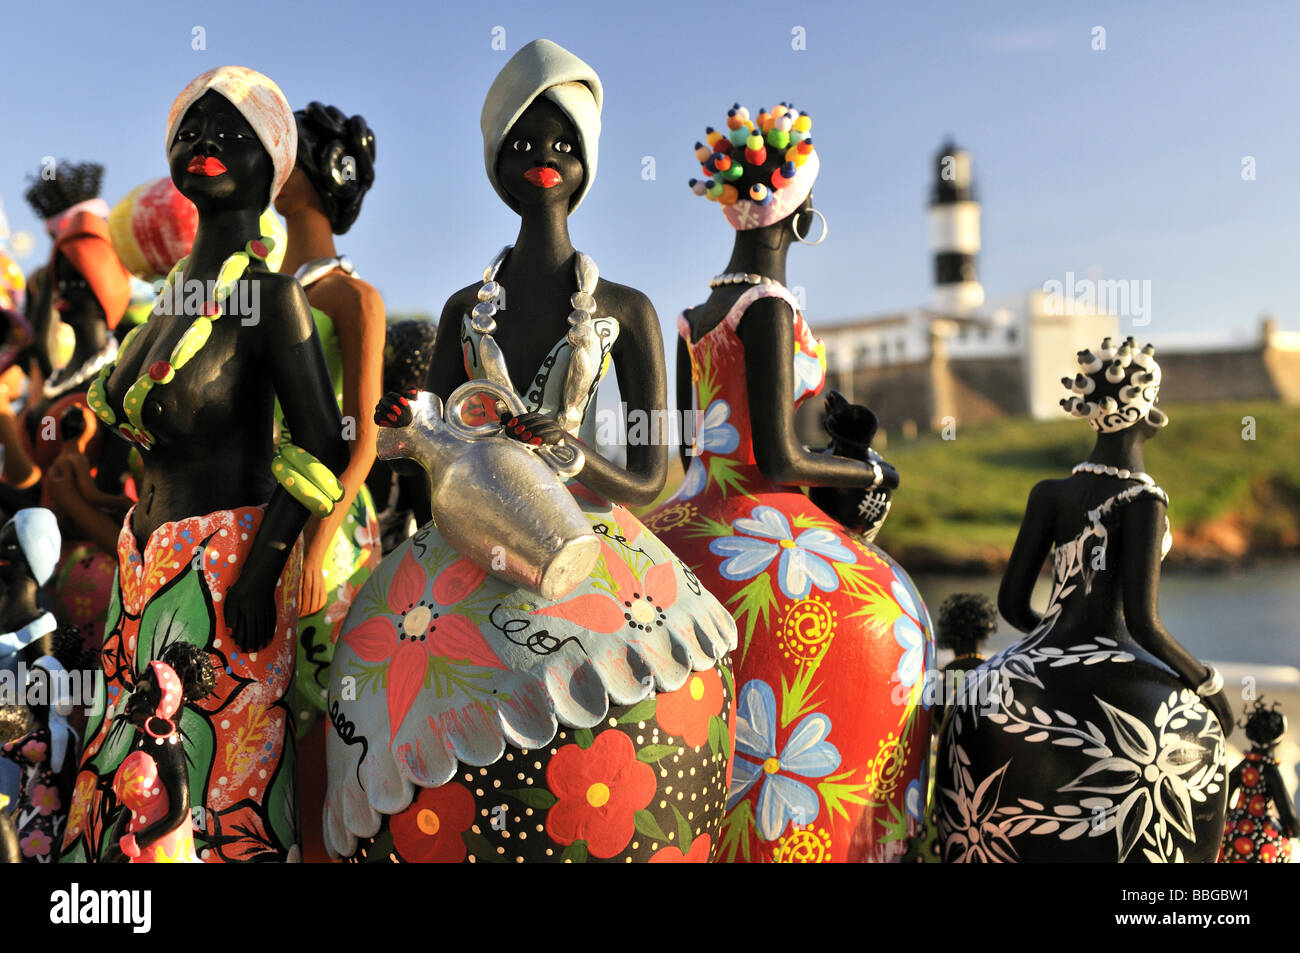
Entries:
{"x":1138,"y":375}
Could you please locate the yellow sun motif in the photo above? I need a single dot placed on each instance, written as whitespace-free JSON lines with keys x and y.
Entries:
{"x":803,"y":845}
{"x":806,"y":629}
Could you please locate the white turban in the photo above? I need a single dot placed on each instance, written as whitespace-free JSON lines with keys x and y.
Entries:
{"x":260,"y":102}
{"x":543,"y":68}
{"x":38,"y":538}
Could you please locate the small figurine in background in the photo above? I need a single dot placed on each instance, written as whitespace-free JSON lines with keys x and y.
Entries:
{"x":965,"y":622}
{"x":29,"y":550}
{"x":153,"y":782}
{"x":860,"y":510}
{"x":44,"y":745}
{"x":1260,"y":828}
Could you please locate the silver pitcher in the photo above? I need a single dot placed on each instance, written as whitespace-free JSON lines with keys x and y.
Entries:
{"x":501,"y":503}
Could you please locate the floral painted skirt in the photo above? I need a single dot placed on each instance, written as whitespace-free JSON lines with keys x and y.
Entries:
{"x":833,"y":734}
{"x":471,"y":720}
{"x":238,"y":740}
{"x":353,"y":555}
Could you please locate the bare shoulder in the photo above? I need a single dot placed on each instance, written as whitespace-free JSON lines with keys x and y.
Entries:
{"x":630,"y":306}
{"x":462,"y":302}
{"x":1045,"y":494}
{"x":346,"y":298}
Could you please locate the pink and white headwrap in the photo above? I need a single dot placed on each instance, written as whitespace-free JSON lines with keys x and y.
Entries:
{"x":259,"y":101}
{"x":169,"y":684}
{"x":744,"y":214}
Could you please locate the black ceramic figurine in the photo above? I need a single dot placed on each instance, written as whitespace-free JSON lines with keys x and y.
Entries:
{"x":152,"y":782}
{"x":1098,"y":737}
{"x":478,"y":713}
{"x":212,"y":539}
{"x":816,"y":602}
{"x":40,"y":737}
{"x":1262,"y":817}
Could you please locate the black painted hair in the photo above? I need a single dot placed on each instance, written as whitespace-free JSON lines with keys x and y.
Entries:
{"x":69,"y":647}
{"x":73,"y":182}
{"x":1265,"y":725}
{"x":966,"y":620}
{"x":408,"y":352}
{"x":338,"y":155}
{"x":193,"y":666}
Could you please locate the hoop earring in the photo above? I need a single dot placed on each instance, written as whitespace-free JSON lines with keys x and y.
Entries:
{"x":794,"y":227}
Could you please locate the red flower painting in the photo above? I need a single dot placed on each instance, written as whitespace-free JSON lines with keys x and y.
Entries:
{"x":600,"y":789}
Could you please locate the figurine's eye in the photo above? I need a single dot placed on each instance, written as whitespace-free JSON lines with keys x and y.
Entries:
{"x":521,"y":145}
{"x":562,"y":145}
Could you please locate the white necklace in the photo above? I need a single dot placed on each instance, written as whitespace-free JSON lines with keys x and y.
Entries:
{"x":742,"y":278}
{"x":1103,"y":470}
{"x":316,"y":269}
{"x":584,"y":363}
{"x":89,"y":368}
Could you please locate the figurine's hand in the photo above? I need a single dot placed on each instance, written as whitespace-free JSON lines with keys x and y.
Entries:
{"x":314,"y":591}
{"x":250,"y":613}
{"x":534,"y":428}
{"x":394,"y":408}
{"x":1221,"y":705}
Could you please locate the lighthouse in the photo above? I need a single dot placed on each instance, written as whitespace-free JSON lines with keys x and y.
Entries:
{"x":954,"y":233}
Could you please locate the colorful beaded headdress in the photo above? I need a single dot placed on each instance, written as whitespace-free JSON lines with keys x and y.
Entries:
{"x":775,"y":149}
{"x":1116,"y":388}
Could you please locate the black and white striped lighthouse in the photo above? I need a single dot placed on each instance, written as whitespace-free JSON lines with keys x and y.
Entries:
{"x":954,"y":233}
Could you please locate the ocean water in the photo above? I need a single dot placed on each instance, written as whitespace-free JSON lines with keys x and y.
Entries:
{"x":1250,"y":615}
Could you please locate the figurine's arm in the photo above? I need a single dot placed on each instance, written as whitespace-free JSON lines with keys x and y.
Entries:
{"x":1033,"y":543}
{"x":358,"y":314}
{"x":642,"y":380}
{"x":174,"y":774}
{"x":685,"y":396}
{"x":767,"y":332}
{"x":298,"y":373}
{"x":1142,"y":529}
{"x":1282,"y":798}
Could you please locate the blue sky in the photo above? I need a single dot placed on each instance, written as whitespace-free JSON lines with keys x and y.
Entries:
{"x":1124,"y":163}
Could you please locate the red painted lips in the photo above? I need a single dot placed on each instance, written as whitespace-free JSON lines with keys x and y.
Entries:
{"x":210,"y":165}
{"x":543,"y":177}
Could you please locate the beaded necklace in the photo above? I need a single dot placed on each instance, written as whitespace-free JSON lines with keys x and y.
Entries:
{"x":190,"y":343}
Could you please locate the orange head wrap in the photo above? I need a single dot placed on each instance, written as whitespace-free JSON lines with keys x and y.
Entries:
{"x":85,"y":242}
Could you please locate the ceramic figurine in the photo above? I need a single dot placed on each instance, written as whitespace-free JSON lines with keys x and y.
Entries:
{"x":1262,"y":819}
{"x":401,"y":500}
{"x":1097,"y":737}
{"x":474,"y":717}
{"x":321,"y":199}
{"x":210,"y":547}
{"x":152,"y":782}
{"x":43,"y":742}
{"x":966,"y":621}
{"x":834,"y":638}
{"x":29,"y":549}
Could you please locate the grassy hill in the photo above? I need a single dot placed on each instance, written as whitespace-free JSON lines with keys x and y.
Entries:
{"x":1231,"y":498}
